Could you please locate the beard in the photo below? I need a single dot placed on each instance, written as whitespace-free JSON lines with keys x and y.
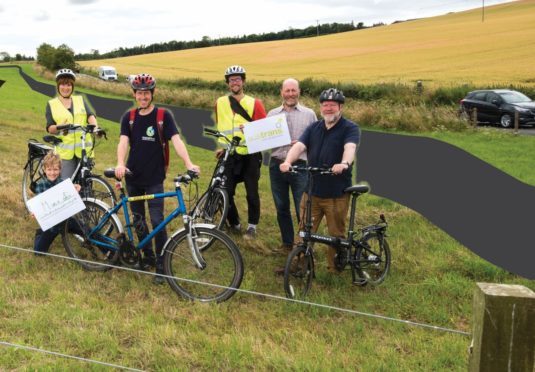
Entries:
{"x":331,"y":118}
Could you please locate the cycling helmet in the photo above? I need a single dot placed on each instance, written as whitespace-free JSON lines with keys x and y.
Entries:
{"x":143,"y":82}
{"x":65,"y":72}
{"x":332,"y":94}
{"x":235,"y":70}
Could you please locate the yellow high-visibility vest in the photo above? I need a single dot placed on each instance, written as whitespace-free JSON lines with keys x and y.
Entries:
{"x":229,"y":123}
{"x":72,"y":143}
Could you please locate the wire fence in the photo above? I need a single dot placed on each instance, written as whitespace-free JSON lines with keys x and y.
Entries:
{"x":245,"y":291}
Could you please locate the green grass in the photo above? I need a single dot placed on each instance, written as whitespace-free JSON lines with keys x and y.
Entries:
{"x":120,"y":317}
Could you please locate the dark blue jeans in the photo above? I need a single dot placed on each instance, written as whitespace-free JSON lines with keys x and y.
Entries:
{"x":281,"y":183}
{"x":43,"y":239}
{"x":156,"y":217}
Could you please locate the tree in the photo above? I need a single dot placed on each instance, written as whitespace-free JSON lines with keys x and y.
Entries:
{"x":55,"y":58}
{"x":63,"y":58}
{"x":5,"y":57}
{"x":45,"y":55}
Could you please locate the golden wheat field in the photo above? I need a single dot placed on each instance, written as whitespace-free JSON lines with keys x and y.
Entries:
{"x":455,"y":48}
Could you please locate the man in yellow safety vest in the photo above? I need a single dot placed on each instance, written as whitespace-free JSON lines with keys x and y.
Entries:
{"x":233,"y":112}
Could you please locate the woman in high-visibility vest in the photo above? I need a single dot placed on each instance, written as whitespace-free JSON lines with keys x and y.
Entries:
{"x":67,"y":108}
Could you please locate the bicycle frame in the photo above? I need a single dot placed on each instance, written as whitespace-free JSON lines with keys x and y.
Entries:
{"x":218,"y":177}
{"x":123,"y":204}
{"x":338,"y":243}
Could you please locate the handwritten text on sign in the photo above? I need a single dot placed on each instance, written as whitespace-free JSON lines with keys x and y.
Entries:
{"x":56,"y":204}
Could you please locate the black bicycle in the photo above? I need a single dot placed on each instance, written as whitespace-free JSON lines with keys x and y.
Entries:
{"x":368,"y":256}
{"x":212,"y":207}
{"x":92,"y":185}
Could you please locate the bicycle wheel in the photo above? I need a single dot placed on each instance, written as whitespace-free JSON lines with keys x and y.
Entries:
{"x":373,"y":258}
{"x":99,"y":188}
{"x":32,"y":173}
{"x":217,"y":281}
{"x":212,"y":208}
{"x":298,"y":272}
{"x":79,"y":245}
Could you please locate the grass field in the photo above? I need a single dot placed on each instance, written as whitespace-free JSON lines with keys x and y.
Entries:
{"x":119,"y":317}
{"x":455,"y":48}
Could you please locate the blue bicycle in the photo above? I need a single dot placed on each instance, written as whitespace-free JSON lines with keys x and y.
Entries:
{"x":200,"y":262}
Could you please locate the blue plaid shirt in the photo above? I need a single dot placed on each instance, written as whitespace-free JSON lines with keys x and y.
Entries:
{"x":44,"y":184}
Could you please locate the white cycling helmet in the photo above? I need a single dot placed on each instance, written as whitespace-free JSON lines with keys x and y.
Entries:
{"x":235,"y":70}
{"x":65,"y":72}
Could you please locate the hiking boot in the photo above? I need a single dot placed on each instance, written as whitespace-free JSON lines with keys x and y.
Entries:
{"x":250,"y":234}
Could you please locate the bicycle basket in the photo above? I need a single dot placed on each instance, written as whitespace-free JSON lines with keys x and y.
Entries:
{"x":37,"y":149}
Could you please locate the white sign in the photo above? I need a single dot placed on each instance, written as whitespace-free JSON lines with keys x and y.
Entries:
{"x":56,"y":204}
{"x":268,"y":133}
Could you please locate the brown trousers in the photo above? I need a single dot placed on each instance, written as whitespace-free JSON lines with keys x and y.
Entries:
{"x":335,"y":212}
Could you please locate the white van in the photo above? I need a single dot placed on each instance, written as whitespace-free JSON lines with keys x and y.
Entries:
{"x":107,"y":73}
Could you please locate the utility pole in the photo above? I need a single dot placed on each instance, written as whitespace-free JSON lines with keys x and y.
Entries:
{"x":483,"y":11}
{"x":318,"y":27}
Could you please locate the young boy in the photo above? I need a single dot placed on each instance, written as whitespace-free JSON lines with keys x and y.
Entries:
{"x":52,"y":167}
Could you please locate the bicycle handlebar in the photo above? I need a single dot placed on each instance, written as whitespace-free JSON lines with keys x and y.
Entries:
{"x":187,"y":177}
{"x":89,"y":128}
{"x":295,"y":169}
{"x":235,"y":141}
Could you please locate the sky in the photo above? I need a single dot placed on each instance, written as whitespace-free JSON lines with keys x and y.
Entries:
{"x":104,"y":25}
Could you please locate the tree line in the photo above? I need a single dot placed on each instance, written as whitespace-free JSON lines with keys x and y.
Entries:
{"x":206,"y":41}
{"x":6,"y":57}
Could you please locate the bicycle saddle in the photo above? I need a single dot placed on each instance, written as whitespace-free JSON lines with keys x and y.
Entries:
{"x":357,"y":189}
{"x":52,"y":139}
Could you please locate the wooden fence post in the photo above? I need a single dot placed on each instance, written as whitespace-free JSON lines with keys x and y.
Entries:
{"x":474,"y":116}
{"x":503,"y":329}
{"x":517,"y":120}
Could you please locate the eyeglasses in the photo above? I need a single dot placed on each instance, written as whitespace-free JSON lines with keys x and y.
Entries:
{"x":236,"y":79}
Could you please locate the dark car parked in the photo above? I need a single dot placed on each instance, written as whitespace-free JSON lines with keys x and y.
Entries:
{"x":498,"y":106}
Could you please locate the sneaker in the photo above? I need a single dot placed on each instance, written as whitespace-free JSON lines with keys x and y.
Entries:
{"x":234,"y":229}
{"x":147,"y":262}
{"x":250,"y":234}
{"x":158,"y":280}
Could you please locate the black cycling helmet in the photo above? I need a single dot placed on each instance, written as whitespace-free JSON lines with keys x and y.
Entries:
{"x":65,"y":73}
{"x":332,"y":94}
{"x":234,"y":70}
{"x":143,"y":82}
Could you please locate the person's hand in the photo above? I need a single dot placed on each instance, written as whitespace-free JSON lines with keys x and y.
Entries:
{"x":285,"y":167}
{"x":339,"y":168}
{"x":120,"y":171}
{"x":195,"y":168}
{"x":219,"y":153}
{"x":77,"y":187}
{"x":293,"y":142}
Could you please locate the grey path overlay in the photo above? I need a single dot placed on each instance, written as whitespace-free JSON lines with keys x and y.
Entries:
{"x":483,"y":208}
